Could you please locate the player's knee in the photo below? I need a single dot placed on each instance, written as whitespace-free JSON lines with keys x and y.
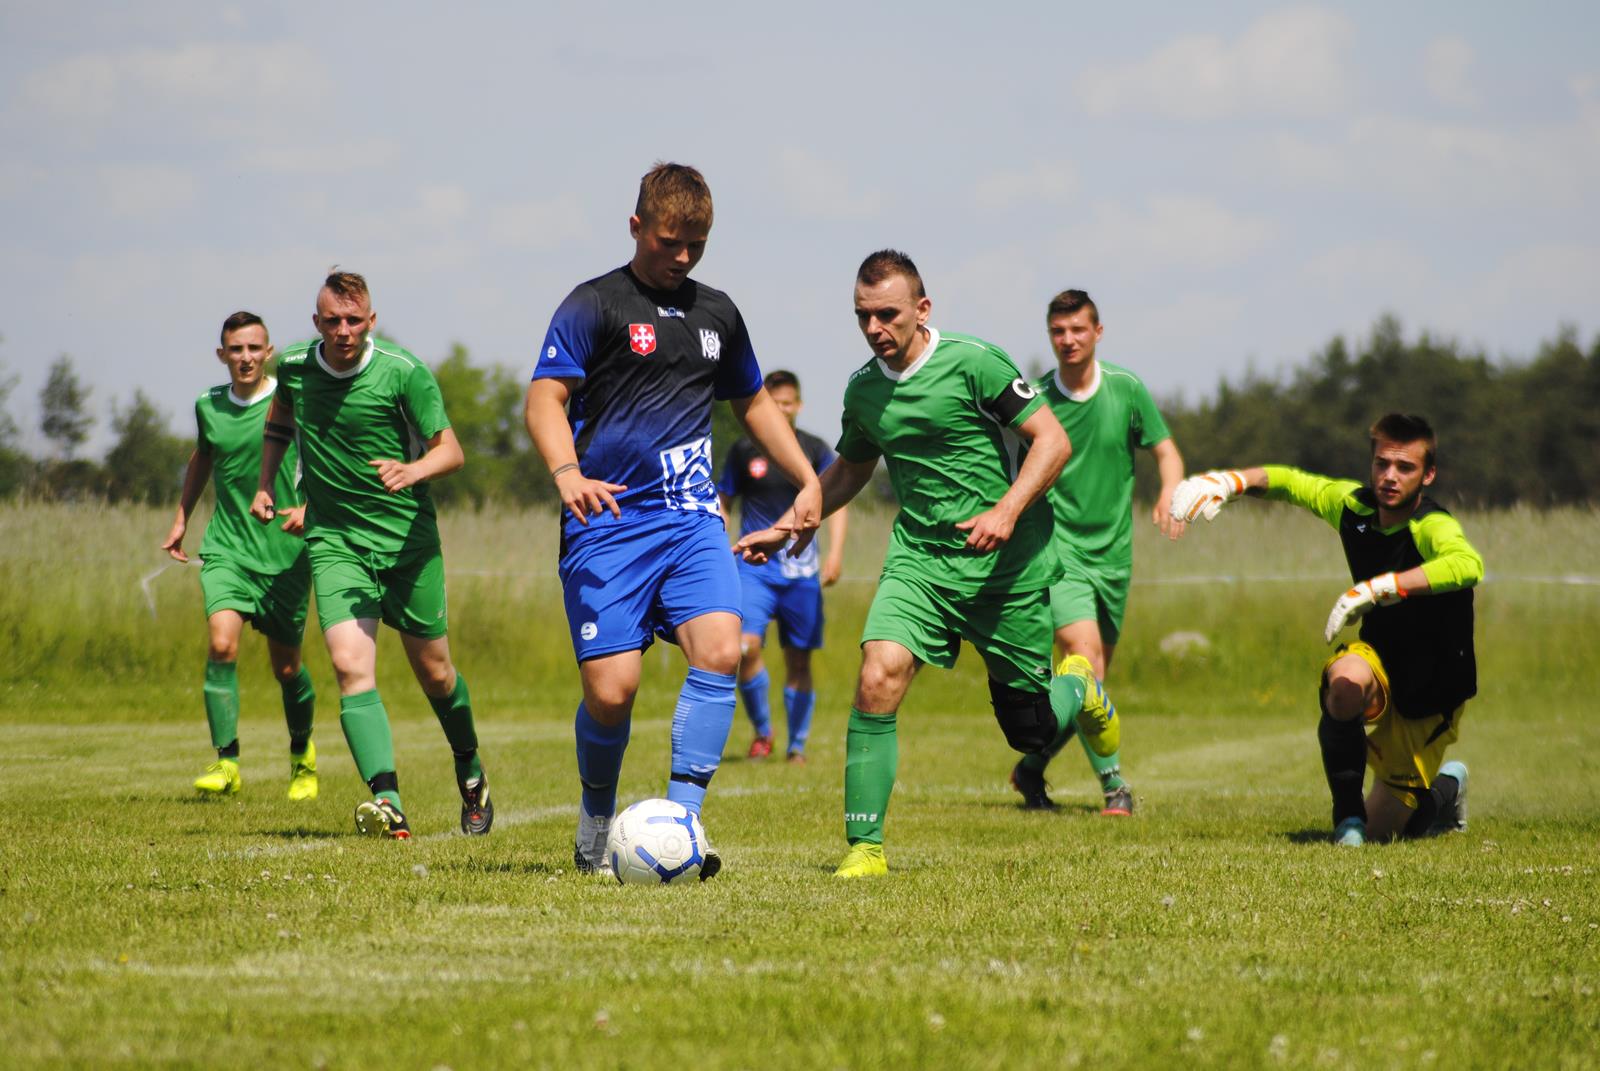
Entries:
{"x":286,"y":670}
{"x":1343,"y":697}
{"x":1025,"y":718}
{"x":223,"y":649}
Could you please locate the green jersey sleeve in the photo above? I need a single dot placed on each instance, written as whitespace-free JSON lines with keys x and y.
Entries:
{"x":202,"y":441}
{"x":423,"y":402}
{"x":1001,"y":390}
{"x":1147,"y":420}
{"x":1450,"y":562}
{"x":1319,"y":494}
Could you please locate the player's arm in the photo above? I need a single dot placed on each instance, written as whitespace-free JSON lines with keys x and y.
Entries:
{"x":833,"y":564}
{"x":443,"y":456}
{"x":1449,"y":563}
{"x":839,"y":483}
{"x":545,"y":413}
{"x":769,"y":429}
{"x":1169,"y":465}
{"x":194,"y":483}
{"x":276,"y":436}
{"x":1048,"y":451}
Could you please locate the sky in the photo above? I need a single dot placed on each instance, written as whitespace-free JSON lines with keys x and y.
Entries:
{"x":1234,"y":183}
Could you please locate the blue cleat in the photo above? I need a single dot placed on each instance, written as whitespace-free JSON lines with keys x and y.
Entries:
{"x":1351,"y":833}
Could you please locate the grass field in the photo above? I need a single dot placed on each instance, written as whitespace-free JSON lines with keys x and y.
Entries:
{"x":1216,"y":928}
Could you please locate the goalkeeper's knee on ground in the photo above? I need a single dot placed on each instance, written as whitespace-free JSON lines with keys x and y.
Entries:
{"x":1025,"y":717}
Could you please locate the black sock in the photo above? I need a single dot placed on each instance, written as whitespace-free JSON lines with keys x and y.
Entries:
{"x":1431,"y":804}
{"x":1344,"y":761}
{"x":229,"y":752}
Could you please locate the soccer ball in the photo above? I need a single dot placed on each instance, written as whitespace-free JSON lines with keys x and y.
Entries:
{"x":656,"y":842}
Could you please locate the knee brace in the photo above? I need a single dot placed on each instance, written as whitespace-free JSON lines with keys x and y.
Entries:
{"x":1025,"y":717}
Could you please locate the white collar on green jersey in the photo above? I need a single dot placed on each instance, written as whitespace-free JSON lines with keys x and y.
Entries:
{"x":1083,"y":395}
{"x":366,"y":359}
{"x":263,"y":392}
{"x":911,"y":369}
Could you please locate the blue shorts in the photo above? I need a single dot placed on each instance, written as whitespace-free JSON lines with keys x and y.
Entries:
{"x":795,"y":601}
{"x":625,"y":584}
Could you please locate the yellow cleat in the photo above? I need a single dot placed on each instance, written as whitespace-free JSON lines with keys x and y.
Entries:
{"x":863,"y":860}
{"x":220,"y":779}
{"x":1097,"y":719}
{"x":303,"y":774}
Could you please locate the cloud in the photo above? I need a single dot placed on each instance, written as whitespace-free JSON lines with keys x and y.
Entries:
{"x":540,"y":224}
{"x":1168,"y":231}
{"x":1447,"y":72}
{"x":818,"y":189}
{"x":1290,"y":62}
{"x":147,"y":193}
{"x":1045,"y":182}
{"x":211,"y":86}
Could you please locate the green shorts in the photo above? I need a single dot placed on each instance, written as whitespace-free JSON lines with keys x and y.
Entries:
{"x":273,"y":603}
{"x":404,"y":589}
{"x":1011,"y":630}
{"x":1088,"y":594}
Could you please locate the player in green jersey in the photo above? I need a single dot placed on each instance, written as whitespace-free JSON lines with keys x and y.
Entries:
{"x":249,"y":573}
{"x":1108,"y":414}
{"x":372,"y":431}
{"x":971,"y":451}
{"x":1394,"y":699}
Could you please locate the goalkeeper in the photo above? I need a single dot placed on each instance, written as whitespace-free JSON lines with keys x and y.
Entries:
{"x":1394,"y":698}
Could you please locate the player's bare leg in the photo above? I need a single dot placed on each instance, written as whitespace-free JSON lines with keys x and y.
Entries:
{"x":353,"y":650}
{"x":447,"y":693}
{"x":872,"y":754}
{"x":754,"y":686}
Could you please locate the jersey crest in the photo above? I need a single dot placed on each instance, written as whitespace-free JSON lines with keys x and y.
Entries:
{"x":758,"y":467}
{"x":642,"y":339}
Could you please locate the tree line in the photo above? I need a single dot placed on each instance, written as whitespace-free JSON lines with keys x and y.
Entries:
{"x":1510,"y":431}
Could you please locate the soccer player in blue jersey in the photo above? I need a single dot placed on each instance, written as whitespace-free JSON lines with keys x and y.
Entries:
{"x":788,"y":588}
{"x":620,"y":409}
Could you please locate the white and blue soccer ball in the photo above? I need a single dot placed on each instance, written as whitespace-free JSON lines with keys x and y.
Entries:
{"x":656,"y":842}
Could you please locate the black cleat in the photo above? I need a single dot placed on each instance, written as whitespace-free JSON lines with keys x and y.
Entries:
{"x":1030,"y":784}
{"x":711,"y":863}
{"x":477,"y":809}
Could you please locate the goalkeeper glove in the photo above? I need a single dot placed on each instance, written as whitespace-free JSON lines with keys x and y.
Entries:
{"x":1206,"y":494}
{"x":1382,"y":590}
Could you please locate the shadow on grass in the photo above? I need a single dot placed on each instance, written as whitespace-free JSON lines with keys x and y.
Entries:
{"x":300,"y":833}
{"x":1317,"y":835}
{"x":496,"y":866}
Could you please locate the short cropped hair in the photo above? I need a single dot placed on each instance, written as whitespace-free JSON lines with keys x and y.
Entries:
{"x":238,"y":320}
{"x":1070,"y":301}
{"x":1405,"y":428}
{"x":886,"y":262}
{"x":347,"y":284}
{"x":675,"y":195}
{"x":781,"y":378}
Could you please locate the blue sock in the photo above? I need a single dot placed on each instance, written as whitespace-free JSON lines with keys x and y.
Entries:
{"x":799,"y":706}
{"x":700,"y":727}
{"x":756,"y":704}
{"x":600,"y":749}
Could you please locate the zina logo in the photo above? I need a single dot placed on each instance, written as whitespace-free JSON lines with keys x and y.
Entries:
{"x":589,"y":630}
{"x":710,"y":344}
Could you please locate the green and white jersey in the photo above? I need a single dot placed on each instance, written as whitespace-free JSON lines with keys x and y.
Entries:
{"x":387,"y":406}
{"x":228,"y":431}
{"x":1093,"y":499}
{"x":944,"y":428}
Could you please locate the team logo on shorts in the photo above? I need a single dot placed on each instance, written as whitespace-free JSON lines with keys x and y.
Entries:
{"x":589,"y":630}
{"x":758,"y":467}
{"x":642,"y":338}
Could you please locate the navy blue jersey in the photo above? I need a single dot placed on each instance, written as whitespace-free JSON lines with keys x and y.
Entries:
{"x":765,"y":493}
{"x":650,"y":364}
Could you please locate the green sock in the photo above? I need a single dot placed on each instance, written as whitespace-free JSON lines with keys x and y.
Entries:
{"x":222,"y":703}
{"x":1066,"y":699}
{"x":872,"y":753}
{"x":454,"y":712}
{"x":299,"y":701}
{"x":366,"y":730}
{"x":1106,"y":767}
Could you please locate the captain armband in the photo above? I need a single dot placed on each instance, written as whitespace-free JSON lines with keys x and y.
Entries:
{"x":278,"y":433}
{"x":1010,"y":403}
